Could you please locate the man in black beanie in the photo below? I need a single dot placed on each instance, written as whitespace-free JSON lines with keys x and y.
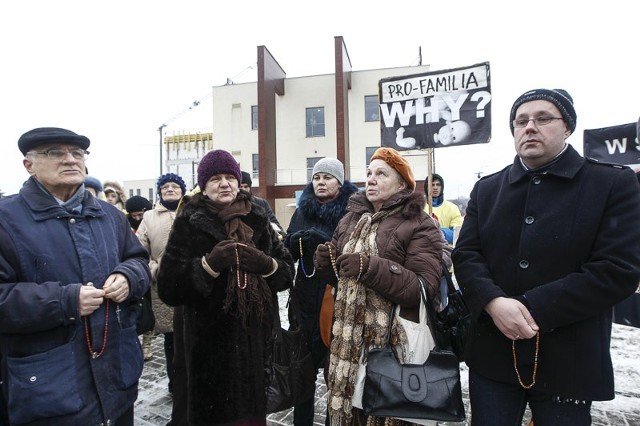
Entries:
{"x":246,"y":186}
{"x":136,"y":206}
{"x":548,"y":246}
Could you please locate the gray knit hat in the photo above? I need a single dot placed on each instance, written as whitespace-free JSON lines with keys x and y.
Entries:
{"x":331,"y":166}
{"x":559,"y":97}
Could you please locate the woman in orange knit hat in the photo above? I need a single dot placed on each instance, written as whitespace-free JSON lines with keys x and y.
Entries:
{"x":378,"y":250}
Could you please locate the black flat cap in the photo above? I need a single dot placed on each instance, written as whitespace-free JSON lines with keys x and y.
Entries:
{"x":45,"y":135}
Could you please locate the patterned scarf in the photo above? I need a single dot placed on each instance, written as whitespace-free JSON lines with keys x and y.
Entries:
{"x":256,"y":296}
{"x":361,"y":318}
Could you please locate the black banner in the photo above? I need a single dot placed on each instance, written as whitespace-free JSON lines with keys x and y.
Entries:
{"x":436,"y":109}
{"x":615,"y":144}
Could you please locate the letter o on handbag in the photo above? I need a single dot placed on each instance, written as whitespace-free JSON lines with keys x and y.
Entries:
{"x":431,"y":390}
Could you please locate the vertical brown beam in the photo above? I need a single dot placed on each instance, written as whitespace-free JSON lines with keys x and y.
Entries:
{"x":270,"y":83}
{"x":343,"y":84}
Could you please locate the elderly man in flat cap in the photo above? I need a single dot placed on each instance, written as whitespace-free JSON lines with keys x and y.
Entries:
{"x":548,"y":246}
{"x":70,"y":268}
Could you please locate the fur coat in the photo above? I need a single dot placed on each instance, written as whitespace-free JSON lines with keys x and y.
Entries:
{"x":225,"y":359}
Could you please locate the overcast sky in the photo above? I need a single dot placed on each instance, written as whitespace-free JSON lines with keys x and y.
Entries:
{"x":115,"y":71}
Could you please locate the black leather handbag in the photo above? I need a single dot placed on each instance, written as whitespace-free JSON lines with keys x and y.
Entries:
{"x":420,"y":391}
{"x":146,"y":319}
{"x":291,"y":375}
{"x":450,"y":327}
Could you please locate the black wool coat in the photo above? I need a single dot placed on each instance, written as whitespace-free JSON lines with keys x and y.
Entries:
{"x":225,"y":360}
{"x":568,"y":239}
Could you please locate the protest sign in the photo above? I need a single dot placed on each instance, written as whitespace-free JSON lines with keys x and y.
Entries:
{"x":436,"y":109}
{"x":614,"y":144}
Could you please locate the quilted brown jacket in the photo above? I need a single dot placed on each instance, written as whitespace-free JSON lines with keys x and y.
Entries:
{"x":409,"y":244}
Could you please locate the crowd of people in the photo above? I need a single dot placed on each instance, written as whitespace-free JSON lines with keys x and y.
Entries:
{"x":547,"y":247}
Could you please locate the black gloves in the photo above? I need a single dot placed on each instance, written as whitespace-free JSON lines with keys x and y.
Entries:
{"x":293,"y":243}
{"x":316,"y":237}
{"x":254,"y":261}
{"x":310,"y":239}
{"x":353,"y":264}
{"x":222,"y":256}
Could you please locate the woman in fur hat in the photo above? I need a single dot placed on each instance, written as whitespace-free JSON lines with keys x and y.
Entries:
{"x":380,"y":247}
{"x":224,"y":264}
{"x":322,"y":204}
{"x":114,"y":194}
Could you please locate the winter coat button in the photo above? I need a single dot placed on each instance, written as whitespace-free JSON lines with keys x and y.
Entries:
{"x":394,"y":269}
{"x":72,"y":220}
{"x":524,"y":264}
{"x":529,"y":220}
{"x":33,"y":379}
{"x":537,"y":180}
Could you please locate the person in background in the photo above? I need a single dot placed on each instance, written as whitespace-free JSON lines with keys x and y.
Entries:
{"x":245,"y":185}
{"x":446,"y":213}
{"x":378,"y":250}
{"x":224,"y":263}
{"x":114,"y":194}
{"x":135,"y":207}
{"x":153,"y":233}
{"x":69,"y":346}
{"x":93,"y":185}
{"x":321,"y":206}
{"x":548,"y":245}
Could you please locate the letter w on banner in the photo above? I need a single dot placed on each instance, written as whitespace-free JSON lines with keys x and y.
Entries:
{"x":436,"y":109}
{"x":615,"y":144}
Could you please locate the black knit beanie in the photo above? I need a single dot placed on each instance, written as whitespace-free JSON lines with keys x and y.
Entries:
{"x":246,"y":178}
{"x":559,"y":97}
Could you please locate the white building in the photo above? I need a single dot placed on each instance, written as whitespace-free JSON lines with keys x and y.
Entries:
{"x":277,"y":128}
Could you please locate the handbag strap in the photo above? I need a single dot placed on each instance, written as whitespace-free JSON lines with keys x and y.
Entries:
{"x":446,"y":275}
{"x":294,"y":312}
{"x":423,"y":298}
{"x":431,"y":313}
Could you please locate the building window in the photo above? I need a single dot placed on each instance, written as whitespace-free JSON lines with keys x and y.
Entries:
{"x":371,"y":109}
{"x":315,"y":122}
{"x":254,"y":117}
{"x":150,"y":198}
{"x":370,"y":150}
{"x":255,"y":162}
{"x":311,"y":161}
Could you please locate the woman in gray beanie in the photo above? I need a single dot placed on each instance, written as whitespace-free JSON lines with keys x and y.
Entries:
{"x":322,"y":204}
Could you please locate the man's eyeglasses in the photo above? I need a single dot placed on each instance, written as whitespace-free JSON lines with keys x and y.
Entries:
{"x":60,"y":154}
{"x":169,"y":186}
{"x":538,"y":121}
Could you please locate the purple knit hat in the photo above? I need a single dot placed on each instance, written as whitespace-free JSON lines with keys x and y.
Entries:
{"x":216,"y":162}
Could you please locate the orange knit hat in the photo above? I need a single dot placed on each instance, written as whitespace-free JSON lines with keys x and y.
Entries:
{"x":397,"y":161}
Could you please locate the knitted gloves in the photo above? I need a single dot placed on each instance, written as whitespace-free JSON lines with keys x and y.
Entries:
{"x":352,"y":264}
{"x":222,"y":256}
{"x":254,"y":261}
{"x":323,"y":258}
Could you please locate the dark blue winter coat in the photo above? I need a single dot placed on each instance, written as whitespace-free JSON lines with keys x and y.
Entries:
{"x":46,"y":254}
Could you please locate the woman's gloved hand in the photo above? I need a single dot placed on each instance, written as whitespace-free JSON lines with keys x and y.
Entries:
{"x":254,"y":261}
{"x":293,"y":243}
{"x":324,"y":253}
{"x":352,"y":264}
{"x":222,"y":256}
